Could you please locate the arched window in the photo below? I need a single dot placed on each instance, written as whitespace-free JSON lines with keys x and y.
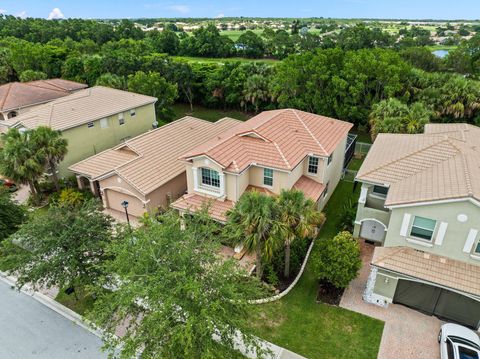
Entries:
{"x":210,"y":177}
{"x":12,"y":114}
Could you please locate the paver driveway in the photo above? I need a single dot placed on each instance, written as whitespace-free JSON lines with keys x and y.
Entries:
{"x":407,"y":333}
{"x":28,"y":329}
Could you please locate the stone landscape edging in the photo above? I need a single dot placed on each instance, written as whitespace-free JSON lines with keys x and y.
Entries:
{"x":291,"y":286}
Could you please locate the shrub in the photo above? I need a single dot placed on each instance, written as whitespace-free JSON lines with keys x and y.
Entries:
{"x":70,"y":197}
{"x":347,"y":216}
{"x":337,"y":260}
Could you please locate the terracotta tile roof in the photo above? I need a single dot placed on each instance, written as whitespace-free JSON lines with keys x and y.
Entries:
{"x":447,"y":272}
{"x":80,"y":108}
{"x":193,"y":202}
{"x":279,"y":139}
{"x":311,"y":188}
{"x":16,"y":95}
{"x":442,"y":163}
{"x":262,"y":190}
{"x":151,"y":159}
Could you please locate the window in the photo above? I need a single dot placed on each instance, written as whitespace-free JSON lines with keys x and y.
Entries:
{"x":90,"y":124}
{"x":329,"y":159}
{"x":210,"y":177}
{"x":312,"y":165}
{"x":12,"y":114}
{"x":380,"y":190}
{"x":132,"y":113}
{"x":477,"y":248}
{"x":104,"y":123}
{"x":121,"y":119}
{"x":423,"y":228}
{"x":268,"y":177}
{"x":325,"y":192}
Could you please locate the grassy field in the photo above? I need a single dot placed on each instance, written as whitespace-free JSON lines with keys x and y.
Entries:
{"x":221,"y":60}
{"x":235,"y":34}
{"x":298,"y":323}
{"x":208,"y":114}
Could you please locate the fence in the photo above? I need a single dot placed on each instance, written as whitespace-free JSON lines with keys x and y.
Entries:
{"x":362,"y":148}
{"x":349,"y":175}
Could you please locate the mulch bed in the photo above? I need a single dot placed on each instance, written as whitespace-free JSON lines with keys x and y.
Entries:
{"x":329,"y":294}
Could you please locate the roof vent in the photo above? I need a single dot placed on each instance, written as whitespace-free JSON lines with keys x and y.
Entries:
{"x":443,"y":260}
{"x":426,"y":255}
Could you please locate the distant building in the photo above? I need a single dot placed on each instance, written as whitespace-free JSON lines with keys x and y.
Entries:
{"x":17,"y":98}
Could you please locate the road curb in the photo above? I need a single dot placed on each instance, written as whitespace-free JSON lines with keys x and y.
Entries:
{"x":53,"y":305}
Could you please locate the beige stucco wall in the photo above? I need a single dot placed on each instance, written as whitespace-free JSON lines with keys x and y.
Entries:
{"x":116,"y":183}
{"x":455,"y":235}
{"x":84,"y":142}
{"x":170,"y":191}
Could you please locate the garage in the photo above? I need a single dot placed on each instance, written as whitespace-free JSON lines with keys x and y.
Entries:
{"x":115,"y":198}
{"x":443,"y":303}
{"x":372,"y":230}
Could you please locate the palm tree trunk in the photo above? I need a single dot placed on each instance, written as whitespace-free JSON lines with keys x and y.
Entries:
{"x":53,"y":168}
{"x":259,"y":268}
{"x":286,"y":271}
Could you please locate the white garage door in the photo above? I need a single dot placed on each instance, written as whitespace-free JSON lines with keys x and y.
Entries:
{"x":372,"y":231}
{"x":114,"y":200}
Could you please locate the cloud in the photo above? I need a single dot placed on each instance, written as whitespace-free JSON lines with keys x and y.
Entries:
{"x":219,"y":16}
{"x":56,"y":14}
{"x":3,"y":11}
{"x":182,"y":9}
{"x":22,"y":14}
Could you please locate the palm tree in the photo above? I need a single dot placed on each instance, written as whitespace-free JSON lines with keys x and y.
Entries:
{"x":19,"y":159}
{"x":52,"y":147}
{"x":300,"y":220}
{"x":252,"y":222}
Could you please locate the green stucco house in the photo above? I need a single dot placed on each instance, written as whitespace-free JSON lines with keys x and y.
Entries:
{"x":92,"y":120}
{"x":420,"y":204}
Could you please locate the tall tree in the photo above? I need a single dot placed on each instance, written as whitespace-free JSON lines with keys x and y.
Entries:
{"x":178,"y":298}
{"x":19,"y":158}
{"x":11,"y":214}
{"x":300,"y":220}
{"x":153,"y":84}
{"x":65,"y":246}
{"x":52,"y":147}
{"x":253,"y":223}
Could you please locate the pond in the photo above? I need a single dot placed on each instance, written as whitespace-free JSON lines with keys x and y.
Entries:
{"x":440,"y":53}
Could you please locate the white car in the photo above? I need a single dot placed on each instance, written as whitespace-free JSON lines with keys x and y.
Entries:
{"x":457,"y":342}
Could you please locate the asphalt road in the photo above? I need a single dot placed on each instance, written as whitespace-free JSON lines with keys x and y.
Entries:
{"x":28,"y":329}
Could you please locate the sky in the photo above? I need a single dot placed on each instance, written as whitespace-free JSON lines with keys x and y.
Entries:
{"x":390,"y":9}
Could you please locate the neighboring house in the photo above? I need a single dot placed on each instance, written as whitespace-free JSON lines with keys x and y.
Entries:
{"x":145,"y":171}
{"x":16,"y":98}
{"x":420,"y":200}
{"x":92,"y":120}
{"x":275,"y":150}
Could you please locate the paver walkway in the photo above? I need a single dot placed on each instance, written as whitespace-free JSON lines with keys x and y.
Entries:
{"x":407,"y":333}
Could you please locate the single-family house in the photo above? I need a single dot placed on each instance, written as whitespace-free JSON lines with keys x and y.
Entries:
{"x":420,"y":203}
{"x":92,"y":120}
{"x":275,"y":150}
{"x":146,"y":171}
{"x":17,"y":98}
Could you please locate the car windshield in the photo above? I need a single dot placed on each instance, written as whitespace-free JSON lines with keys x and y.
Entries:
{"x":467,"y":353}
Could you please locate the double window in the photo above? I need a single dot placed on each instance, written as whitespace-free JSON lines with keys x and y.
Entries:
{"x":423,"y":228}
{"x":313,"y":165}
{"x":133,"y":112}
{"x":90,"y":124}
{"x":268,"y":177}
{"x":210,"y":177}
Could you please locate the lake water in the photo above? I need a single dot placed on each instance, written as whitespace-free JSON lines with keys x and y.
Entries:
{"x":440,"y":53}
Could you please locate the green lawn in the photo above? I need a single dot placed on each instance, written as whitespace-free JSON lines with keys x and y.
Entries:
{"x":221,"y":60}
{"x":355,"y":164}
{"x":81,"y":305}
{"x":181,"y":110}
{"x":298,"y":323}
{"x":235,"y":34}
